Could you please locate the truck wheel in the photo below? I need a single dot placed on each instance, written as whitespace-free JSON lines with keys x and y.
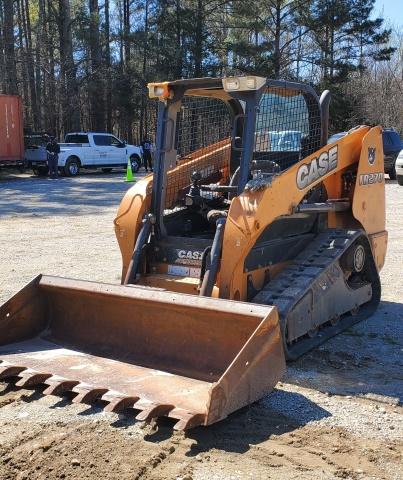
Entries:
{"x":135,"y":162}
{"x":106,"y":170}
{"x":40,"y":171}
{"x":392,"y":173}
{"x":400,"y":180}
{"x":72,"y":167}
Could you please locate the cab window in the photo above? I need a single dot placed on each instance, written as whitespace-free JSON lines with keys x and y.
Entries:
{"x":106,"y":141}
{"x":115,"y":142}
{"x":288,"y":128}
{"x":102,"y":140}
{"x":76,"y":138}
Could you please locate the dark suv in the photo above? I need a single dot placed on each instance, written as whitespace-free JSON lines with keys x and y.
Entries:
{"x":392,"y":145}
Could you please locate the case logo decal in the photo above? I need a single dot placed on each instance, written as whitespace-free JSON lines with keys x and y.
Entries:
{"x":308,"y":173}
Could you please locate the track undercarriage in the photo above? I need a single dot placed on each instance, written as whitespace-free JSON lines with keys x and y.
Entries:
{"x":328,"y":287}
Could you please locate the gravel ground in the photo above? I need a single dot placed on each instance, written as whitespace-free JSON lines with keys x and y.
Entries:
{"x":336,"y":414}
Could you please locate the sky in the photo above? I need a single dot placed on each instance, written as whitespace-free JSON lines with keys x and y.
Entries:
{"x":392,"y":11}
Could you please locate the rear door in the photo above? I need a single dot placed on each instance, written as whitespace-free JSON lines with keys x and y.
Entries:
{"x":108,"y":151}
{"x":80,"y":143}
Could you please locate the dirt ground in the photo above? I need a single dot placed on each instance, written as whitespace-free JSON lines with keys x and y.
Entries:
{"x":336,"y":414}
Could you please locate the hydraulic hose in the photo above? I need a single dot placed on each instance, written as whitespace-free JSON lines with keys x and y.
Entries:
{"x":140,"y":242}
{"x":211,"y":272}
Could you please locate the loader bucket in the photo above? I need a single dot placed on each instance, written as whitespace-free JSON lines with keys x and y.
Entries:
{"x":190,"y":358}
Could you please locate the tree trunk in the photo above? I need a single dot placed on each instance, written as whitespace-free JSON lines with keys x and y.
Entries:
{"x":299,"y":53}
{"x":2,"y":59}
{"x":30,"y":62}
{"x":108,"y":69}
{"x":178,"y":40}
{"x":96,"y":90}
{"x":52,"y":119}
{"x":143,"y":103}
{"x":126,"y":31}
{"x":277,"y":37}
{"x":69,"y":86}
{"x":23,"y":70}
{"x":39,"y":58}
{"x":198,"y":49}
{"x":11,"y":70}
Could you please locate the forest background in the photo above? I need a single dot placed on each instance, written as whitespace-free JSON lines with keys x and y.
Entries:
{"x":85,"y":64}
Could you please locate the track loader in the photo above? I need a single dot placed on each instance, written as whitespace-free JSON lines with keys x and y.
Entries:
{"x":253,"y":242}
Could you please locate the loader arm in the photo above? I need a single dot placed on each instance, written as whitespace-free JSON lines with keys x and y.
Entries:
{"x":251,"y":212}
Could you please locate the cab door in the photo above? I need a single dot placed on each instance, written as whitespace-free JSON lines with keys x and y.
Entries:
{"x":109,"y":150}
{"x":119,"y":150}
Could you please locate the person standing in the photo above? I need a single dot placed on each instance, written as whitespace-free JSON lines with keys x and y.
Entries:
{"x":53,"y":150}
{"x":147,"y":148}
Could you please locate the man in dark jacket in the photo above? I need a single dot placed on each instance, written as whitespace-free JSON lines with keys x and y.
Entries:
{"x":147,"y":148}
{"x":53,"y":150}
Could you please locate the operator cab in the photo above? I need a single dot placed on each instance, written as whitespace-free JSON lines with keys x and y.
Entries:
{"x":218,"y":138}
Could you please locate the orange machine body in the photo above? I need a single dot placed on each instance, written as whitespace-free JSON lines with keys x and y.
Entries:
{"x":251,"y":212}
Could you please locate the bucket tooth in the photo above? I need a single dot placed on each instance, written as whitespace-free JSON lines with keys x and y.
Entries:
{"x":190,"y":422}
{"x":87,"y":394}
{"x":8,"y":371}
{"x":58,"y":386}
{"x":153,"y":411}
{"x":118,"y":403}
{"x":186,"y":419}
{"x":30,"y":378}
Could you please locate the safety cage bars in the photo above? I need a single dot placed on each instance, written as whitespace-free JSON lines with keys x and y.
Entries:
{"x":287,"y":129}
{"x":202,"y":143}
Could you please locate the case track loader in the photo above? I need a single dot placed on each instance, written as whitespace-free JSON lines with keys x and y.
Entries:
{"x":253,"y":241}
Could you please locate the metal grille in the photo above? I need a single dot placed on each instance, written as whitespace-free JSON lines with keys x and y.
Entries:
{"x":202,"y":142}
{"x":288,"y":128}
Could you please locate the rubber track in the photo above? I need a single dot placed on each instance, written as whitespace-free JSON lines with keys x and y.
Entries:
{"x":287,"y":288}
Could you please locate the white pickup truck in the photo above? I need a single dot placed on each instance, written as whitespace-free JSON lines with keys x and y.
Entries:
{"x":88,"y":150}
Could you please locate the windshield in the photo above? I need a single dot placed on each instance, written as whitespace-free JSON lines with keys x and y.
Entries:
{"x":285,"y":131}
{"x":391,"y":139}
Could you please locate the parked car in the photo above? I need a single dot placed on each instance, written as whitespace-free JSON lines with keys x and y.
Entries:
{"x":336,"y":137}
{"x":392,"y":145}
{"x":88,"y":150}
{"x":399,"y":168}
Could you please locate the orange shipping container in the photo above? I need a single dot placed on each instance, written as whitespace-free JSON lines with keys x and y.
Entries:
{"x":11,"y":130}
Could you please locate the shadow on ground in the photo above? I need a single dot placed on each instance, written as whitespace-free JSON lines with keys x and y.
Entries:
{"x":364,"y":360}
{"x":64,"y":196}
{"x":276,"y":414}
